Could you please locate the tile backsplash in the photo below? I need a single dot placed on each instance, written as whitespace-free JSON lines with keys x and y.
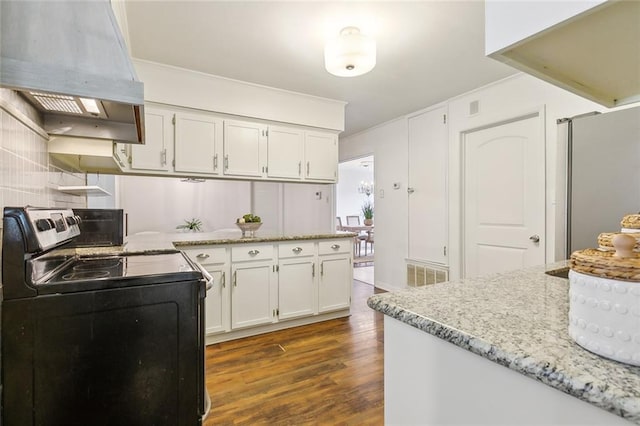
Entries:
{"x":27,"y":177}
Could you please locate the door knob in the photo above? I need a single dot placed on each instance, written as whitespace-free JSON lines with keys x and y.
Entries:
{"x":535,"y":238}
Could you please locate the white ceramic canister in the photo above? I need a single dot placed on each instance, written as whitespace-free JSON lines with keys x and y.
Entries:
{"x":604,"y":316}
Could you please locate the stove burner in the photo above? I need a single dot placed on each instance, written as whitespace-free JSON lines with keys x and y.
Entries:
{"x":85,"y":275}
{"x":92,"y":264}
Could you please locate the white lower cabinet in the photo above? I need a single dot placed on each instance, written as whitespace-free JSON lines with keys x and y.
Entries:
{"x":336,"y":275}
{"x":297,"y":283}
{"x":217,"y":303}
{"x":334,"y":289}
{"x":254,"y":288}
{"x":265,"y":287}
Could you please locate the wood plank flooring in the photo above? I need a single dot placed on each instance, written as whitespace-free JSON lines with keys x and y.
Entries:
{"x":325,"y":373}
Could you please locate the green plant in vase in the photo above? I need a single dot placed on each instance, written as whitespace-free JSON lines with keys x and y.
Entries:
{"x":367,"y":212}
{"x":191,"y":225}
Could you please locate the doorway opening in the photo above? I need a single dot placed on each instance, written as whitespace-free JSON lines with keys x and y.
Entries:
{"x":355,"y":209}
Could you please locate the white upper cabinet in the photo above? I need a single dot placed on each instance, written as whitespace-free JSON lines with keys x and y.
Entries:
{"x":244,"y":148}
{"x":198,"y":143}
{"x":428,"y":187}
{"x":155,"y":153}
{"x":321,"y":155}
{"x":285,"y":152}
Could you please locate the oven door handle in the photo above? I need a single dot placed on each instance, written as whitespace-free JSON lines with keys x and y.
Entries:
{"x":207,"y":276}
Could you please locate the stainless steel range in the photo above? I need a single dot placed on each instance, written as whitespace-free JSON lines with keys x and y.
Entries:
{"x":97,"y":340}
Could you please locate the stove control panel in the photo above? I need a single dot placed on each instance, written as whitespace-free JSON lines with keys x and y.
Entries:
{"x":53,"y":227}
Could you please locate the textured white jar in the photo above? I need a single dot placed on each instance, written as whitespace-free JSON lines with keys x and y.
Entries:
{"x":604,"y":316}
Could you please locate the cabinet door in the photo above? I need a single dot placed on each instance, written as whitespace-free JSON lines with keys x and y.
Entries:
{"x":321,"y":155}
{"x":336,"y":276}
{"x":428,"y":178}
{"x":153,"y":154}
{"x":296,"y":288}
{"x":217,"y":302}
{"x":244,"y":148}
{"x":284,"y":152}
{"x":251,"y":294}
{"x":198,"y":143}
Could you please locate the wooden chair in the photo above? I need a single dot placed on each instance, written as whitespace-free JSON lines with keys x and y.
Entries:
{"x":362,"y":236}
{"x":369,"y":240}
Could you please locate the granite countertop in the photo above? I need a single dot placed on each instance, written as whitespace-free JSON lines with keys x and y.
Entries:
{"x":520,"y":320}
{"x":166,"y":242}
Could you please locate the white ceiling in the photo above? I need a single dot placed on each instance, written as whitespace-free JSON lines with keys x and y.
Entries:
{"x":428,"y":51}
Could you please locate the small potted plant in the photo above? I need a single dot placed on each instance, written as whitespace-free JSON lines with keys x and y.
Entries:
{"x":193,"y":225}
{"x":367,"y":212}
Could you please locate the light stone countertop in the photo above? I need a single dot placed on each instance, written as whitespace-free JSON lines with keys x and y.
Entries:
{"x":143,"y":243}
{"x":520,"y":320}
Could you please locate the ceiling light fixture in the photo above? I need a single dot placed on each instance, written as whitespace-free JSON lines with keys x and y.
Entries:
{"x":350,"y":54}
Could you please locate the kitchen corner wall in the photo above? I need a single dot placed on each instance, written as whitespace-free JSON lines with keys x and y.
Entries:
{"x":389,"y":142}
{"x":26,"y":175}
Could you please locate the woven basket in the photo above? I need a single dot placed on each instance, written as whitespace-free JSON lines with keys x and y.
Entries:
{"x":631,"y":221}
{"x":604,"y":264}
{"x":605,"y":243}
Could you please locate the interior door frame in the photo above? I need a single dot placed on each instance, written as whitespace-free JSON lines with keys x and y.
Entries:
{"x":539,"y":112}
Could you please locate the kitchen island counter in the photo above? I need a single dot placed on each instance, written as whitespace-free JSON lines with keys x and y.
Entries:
{"x":519,"y":320}
{"x":161,"y":241}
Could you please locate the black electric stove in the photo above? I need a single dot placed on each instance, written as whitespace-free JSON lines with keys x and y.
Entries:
{"x":101,"y":340}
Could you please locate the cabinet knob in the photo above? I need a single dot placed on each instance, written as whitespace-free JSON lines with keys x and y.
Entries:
{"x":335,"y":246}
{"x":296,"y":250}
{"x":203,"y":256}
{"x":253,"y":252}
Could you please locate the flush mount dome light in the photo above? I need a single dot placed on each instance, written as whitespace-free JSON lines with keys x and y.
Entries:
{"x":350,"y":54}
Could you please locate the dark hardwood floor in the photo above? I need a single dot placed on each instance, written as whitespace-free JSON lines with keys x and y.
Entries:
{"x":325,"y":373}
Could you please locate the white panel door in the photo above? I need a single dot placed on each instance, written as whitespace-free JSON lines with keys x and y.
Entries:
{"x":285,"y":149}
{"x":504,"y":207}
{"x":428,"y":180}
{"x":198,"y":143}
{"x":321,"y":155}
{"x":217,"y":301}
{"x":243,"y":151}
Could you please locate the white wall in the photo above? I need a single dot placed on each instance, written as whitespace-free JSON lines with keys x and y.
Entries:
{"x":161,"y":204}
{"x":388,"y":142}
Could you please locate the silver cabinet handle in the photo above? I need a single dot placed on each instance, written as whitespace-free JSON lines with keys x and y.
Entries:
{"x":321,"y":268}
{"x":335,"y":246}
{"x":203,"y":256}
{"x":215,"y":162}
{"x":253,"y":252}
{"x":535,"y":238}
{"x":226,"y":161}
{"x":223,"y":280}
{"x":410,"y":190}
{"x":235,"y":278}
{"x":307,"y":168}
{"x":163,"y":157}
{"x":299,"y":168}
{"x":296,"y":250}
{"x":313,"y":269}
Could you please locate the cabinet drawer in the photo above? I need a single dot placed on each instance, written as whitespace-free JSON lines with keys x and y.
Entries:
{"x":207,"y":255}
{"x":298,"y":249}
{"x":334,"y":246}
{"x":251,"y":252}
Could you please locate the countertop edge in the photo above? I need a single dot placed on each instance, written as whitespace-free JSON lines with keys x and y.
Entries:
{"x":596,"y":394}
{"x":254,"y":240}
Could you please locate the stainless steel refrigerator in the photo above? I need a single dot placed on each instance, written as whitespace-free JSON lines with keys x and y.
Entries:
{"x":598,"y":176}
